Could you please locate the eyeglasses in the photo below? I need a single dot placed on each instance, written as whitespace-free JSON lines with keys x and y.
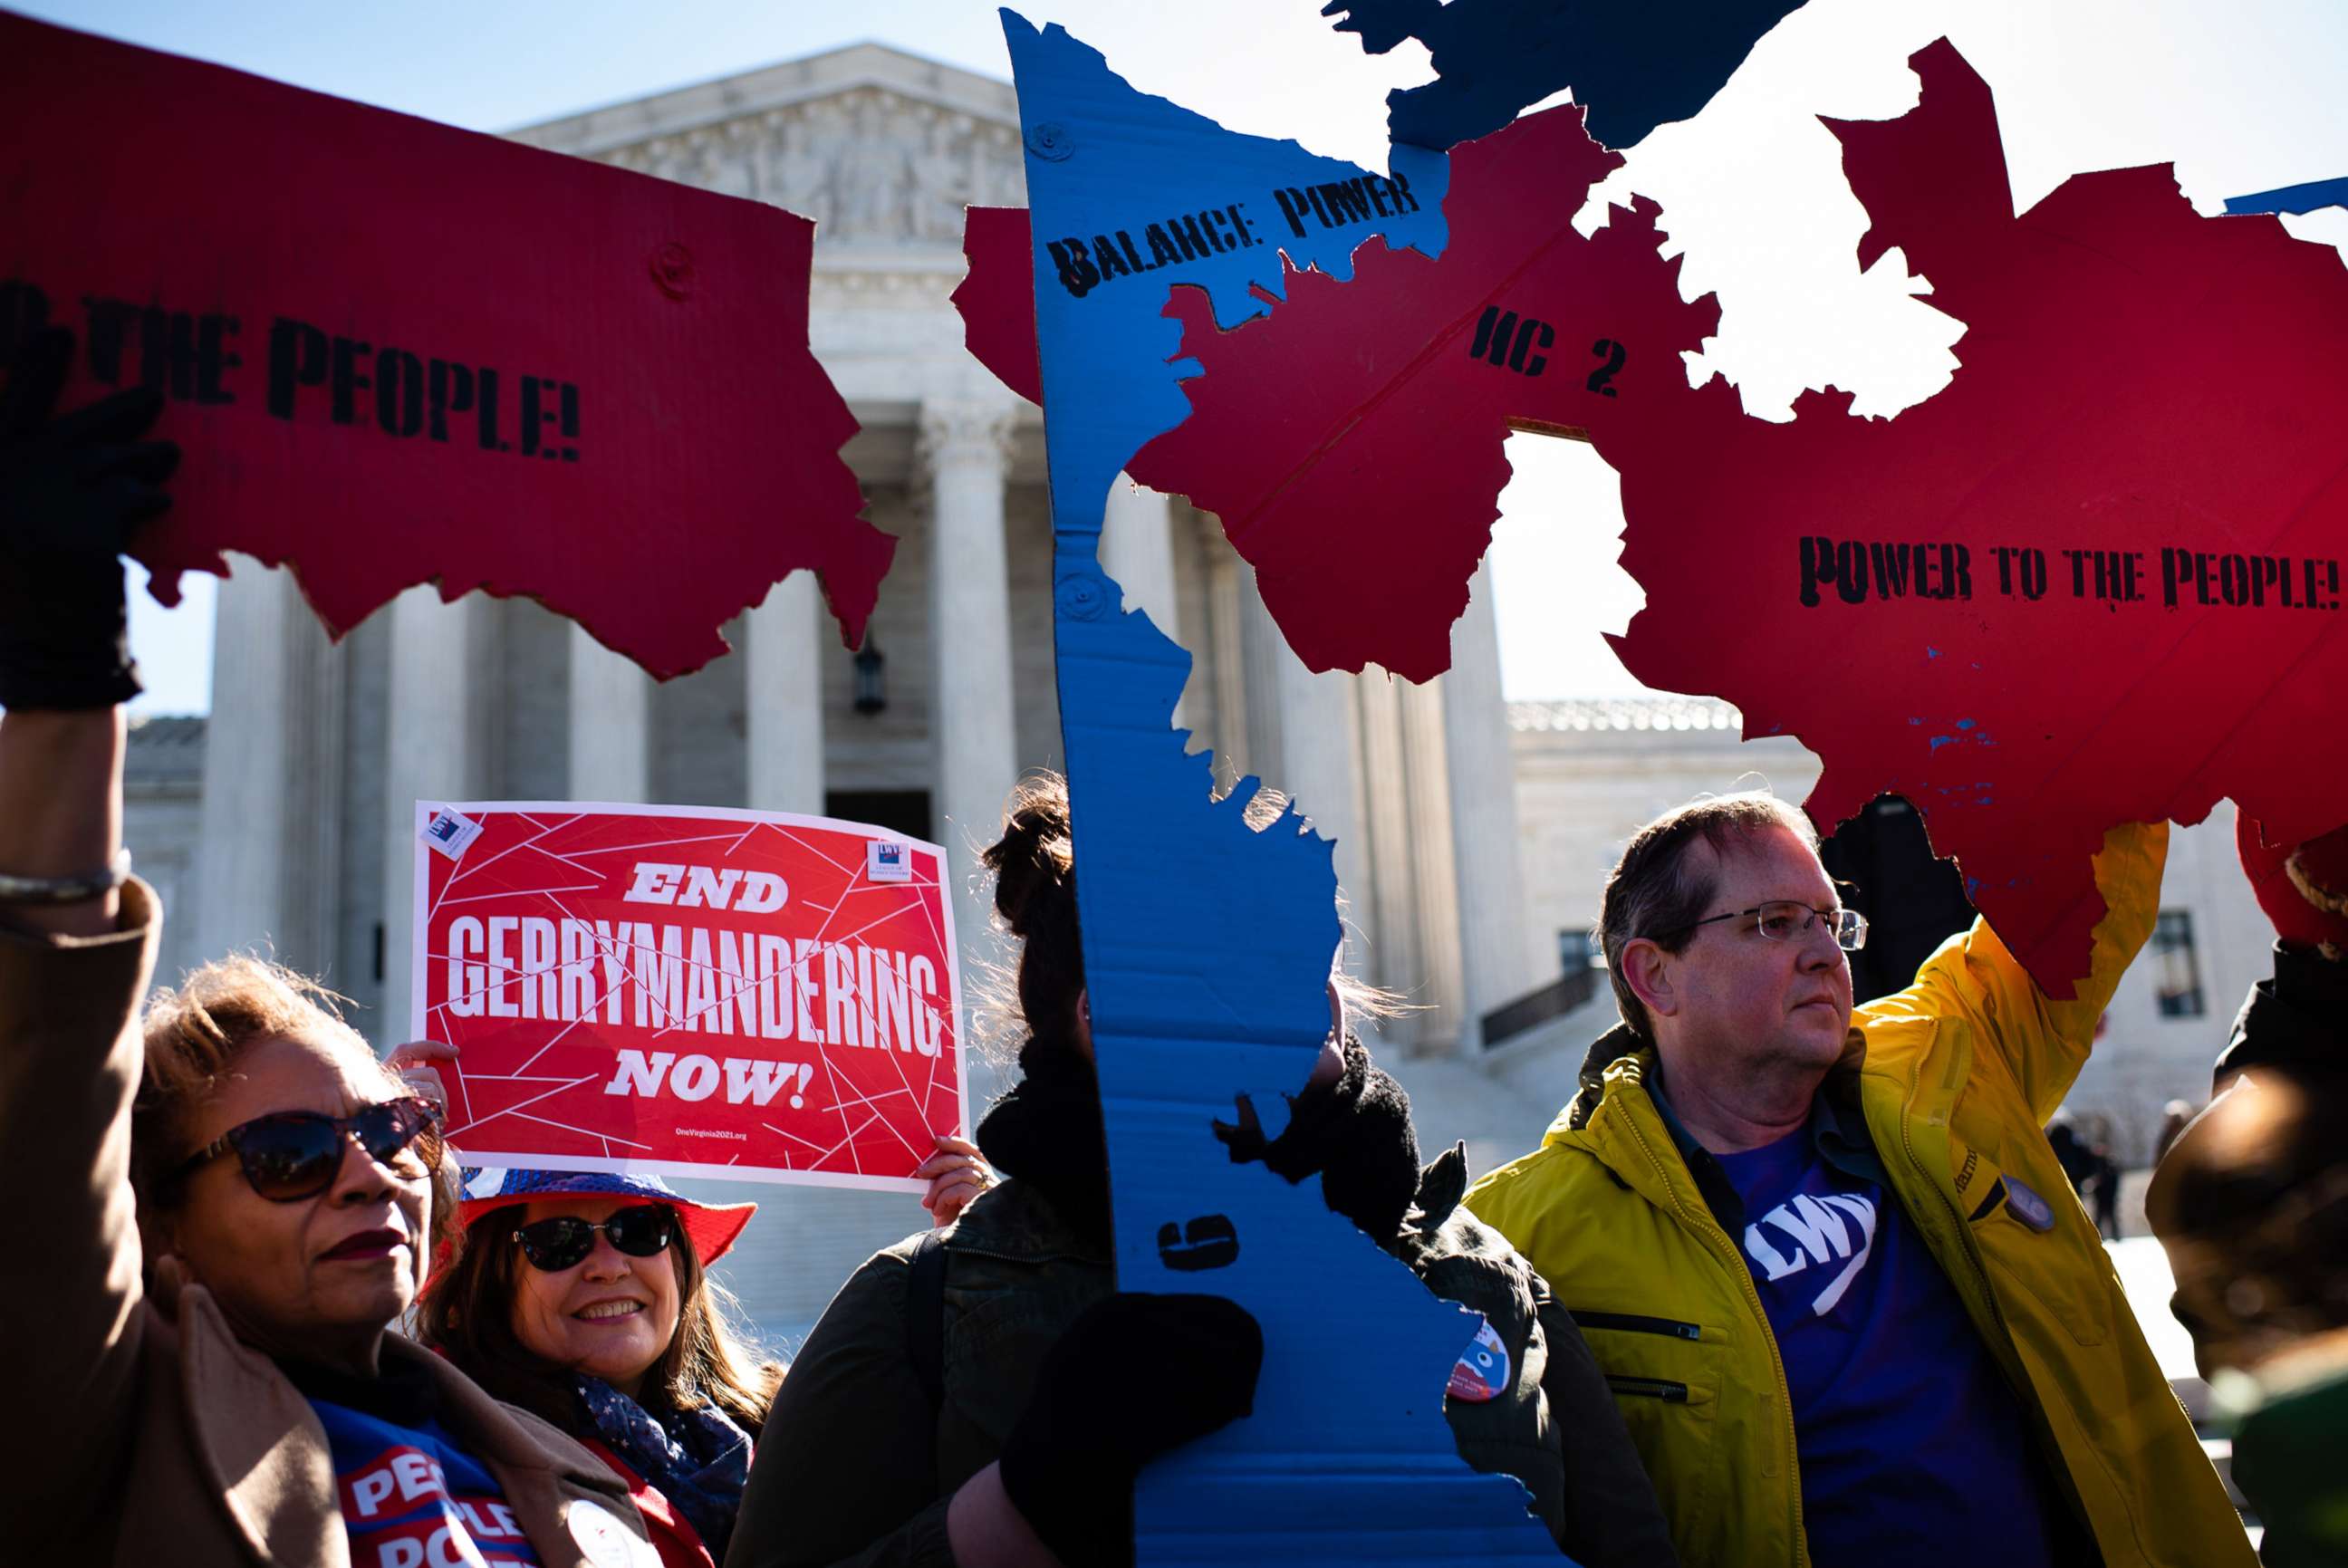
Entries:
{"x":1786,"y":920}
{"x":564,"y":1241}
{"x":290,"y":1155}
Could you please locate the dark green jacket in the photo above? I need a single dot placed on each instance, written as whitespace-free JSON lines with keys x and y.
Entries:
{"x":854,"y":1469}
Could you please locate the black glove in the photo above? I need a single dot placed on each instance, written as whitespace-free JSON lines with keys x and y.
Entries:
{"x":72,"y":489}
{"x":1353,"y":1132}
{"x":1134,"y":1376}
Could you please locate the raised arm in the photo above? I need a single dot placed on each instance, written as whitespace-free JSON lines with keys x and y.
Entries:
{"x":76,"y":948}
{"x":2044,"y":1042}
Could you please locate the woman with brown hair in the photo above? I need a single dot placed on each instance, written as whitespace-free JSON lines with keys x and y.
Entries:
{"x":585,"y":1299}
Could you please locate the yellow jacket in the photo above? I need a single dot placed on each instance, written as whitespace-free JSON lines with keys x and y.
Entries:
{"x":1956,"y":1077}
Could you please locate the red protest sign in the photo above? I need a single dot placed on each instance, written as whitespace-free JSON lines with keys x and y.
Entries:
{"x":689,"y":991}
{"x":396,"y":352}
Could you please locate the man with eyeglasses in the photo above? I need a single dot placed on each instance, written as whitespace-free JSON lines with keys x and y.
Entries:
{"x":1849,"y":1309}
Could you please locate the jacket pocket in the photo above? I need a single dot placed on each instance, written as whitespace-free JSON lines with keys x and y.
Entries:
{"x":1633,"y":1323}
{"x":1665,"y":1374}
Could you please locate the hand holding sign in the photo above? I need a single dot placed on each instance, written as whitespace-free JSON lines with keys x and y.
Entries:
{"x":72,"y":489}
{"x":599,"y":396}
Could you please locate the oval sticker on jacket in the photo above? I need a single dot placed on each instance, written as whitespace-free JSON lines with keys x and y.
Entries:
{"x":2028,"y":1207}
{"x":603,"y":1540}
{"x":1482,"y":1373}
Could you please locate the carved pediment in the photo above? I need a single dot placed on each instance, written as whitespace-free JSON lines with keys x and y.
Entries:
{"x":867,"y":164}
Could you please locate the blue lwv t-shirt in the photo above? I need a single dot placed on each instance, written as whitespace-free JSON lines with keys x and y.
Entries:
{"x":1914,"y":1449}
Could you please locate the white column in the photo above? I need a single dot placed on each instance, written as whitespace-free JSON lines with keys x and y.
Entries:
{"x":1137,"y":549}
{"x":610,"y":724}
{"x":1390,"y":896}
{"x":1495,"y":939}
{"x":783,"y":677}
{"x":1435,"y":873}
{"x":965,"y":449}
{"x":269,"y":853}
{"x":1308,"y":751}
{"x":1226,"y":622}
{"x":428,"y":756}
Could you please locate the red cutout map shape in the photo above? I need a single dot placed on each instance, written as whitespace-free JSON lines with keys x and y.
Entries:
{"x":2135,"y":379}
{"x":324,"y":289}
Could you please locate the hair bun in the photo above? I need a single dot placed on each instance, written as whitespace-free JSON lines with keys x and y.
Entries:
{"x":1033,"y":861}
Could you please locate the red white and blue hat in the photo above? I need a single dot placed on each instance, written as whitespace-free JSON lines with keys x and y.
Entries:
{"x":712,"y":1226}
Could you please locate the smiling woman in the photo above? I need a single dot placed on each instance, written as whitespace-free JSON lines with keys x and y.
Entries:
{"x":583,"y":1298}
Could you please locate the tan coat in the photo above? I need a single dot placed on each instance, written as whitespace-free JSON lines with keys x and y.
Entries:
{"x":136,"y":1437}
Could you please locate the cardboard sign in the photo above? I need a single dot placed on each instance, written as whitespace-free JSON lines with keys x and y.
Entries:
{"x":1362,"y":554}
{"x":399,"y":353}
{"x":2076,"y":588}
{"x":1637,"y":66}
{"x":2312,"y":197}
{"x":1207,"y":944}
{"x":688,"y":991}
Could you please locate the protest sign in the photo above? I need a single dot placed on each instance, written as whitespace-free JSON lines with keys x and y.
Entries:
{"x":688,"y":991}
{"x":2076,"y":588}
{"x":395,"y":352}
{"x":1208,"y":942}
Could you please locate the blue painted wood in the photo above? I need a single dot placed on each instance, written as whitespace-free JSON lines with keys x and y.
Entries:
{"x":1634,"y":66}
{"x":2313,"y":196}
{"x":1208,"y":944}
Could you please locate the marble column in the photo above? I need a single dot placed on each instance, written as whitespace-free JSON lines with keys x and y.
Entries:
{"x":1494,"y":941}
{"x":431,"y":755}
{"x":1227,"y":638}
{"x":1305,"y":745}
{"x":964,"y":454}
{"x":1434,"y":866}
{"x":784,"y":677}
{"x":1392,"y":895}
{"x":272,"y":813}
{"x":1137,"y":549}
{"x":610,"y":724}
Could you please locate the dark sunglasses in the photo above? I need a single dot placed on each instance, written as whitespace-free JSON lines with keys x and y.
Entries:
{"x":289,"y":1155}
{"x":564,"y":1241}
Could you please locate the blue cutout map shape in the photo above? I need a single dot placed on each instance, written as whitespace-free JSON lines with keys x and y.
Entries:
{"x":2313,"y":196}
{"x":1632,"y":67}
{"x":1207,"y":943}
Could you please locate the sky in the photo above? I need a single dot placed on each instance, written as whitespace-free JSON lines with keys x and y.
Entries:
{"x":2241,"y":97}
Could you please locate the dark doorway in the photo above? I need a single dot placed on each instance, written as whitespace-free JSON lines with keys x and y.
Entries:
{"x":1912,"y":902}
{"x":905,"y":812}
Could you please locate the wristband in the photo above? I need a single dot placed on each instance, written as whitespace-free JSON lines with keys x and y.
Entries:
{"x":67,"y":890}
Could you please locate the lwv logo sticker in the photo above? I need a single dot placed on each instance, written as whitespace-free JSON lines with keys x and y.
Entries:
{"x":1822,"y":1233}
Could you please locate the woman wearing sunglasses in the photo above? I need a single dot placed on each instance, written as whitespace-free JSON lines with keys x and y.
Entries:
{"x":585,"y":1299}
{"x":201,"y":1284}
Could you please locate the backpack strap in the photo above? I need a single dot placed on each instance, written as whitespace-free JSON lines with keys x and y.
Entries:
{"x":925,"y":1316}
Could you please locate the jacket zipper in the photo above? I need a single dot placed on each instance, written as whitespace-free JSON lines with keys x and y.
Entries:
{"x":1663,"y":1389}
{"x":1632,"y":1323}
{"x":1711,"y":1232}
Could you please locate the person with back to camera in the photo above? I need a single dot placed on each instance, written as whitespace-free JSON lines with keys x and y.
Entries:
{"x":2249,"y":1201}
{"x":987,"y":1397}
{"x":219,"y":1218}
{"x":585,"y":1299}
{"x":1826,"y":1257}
